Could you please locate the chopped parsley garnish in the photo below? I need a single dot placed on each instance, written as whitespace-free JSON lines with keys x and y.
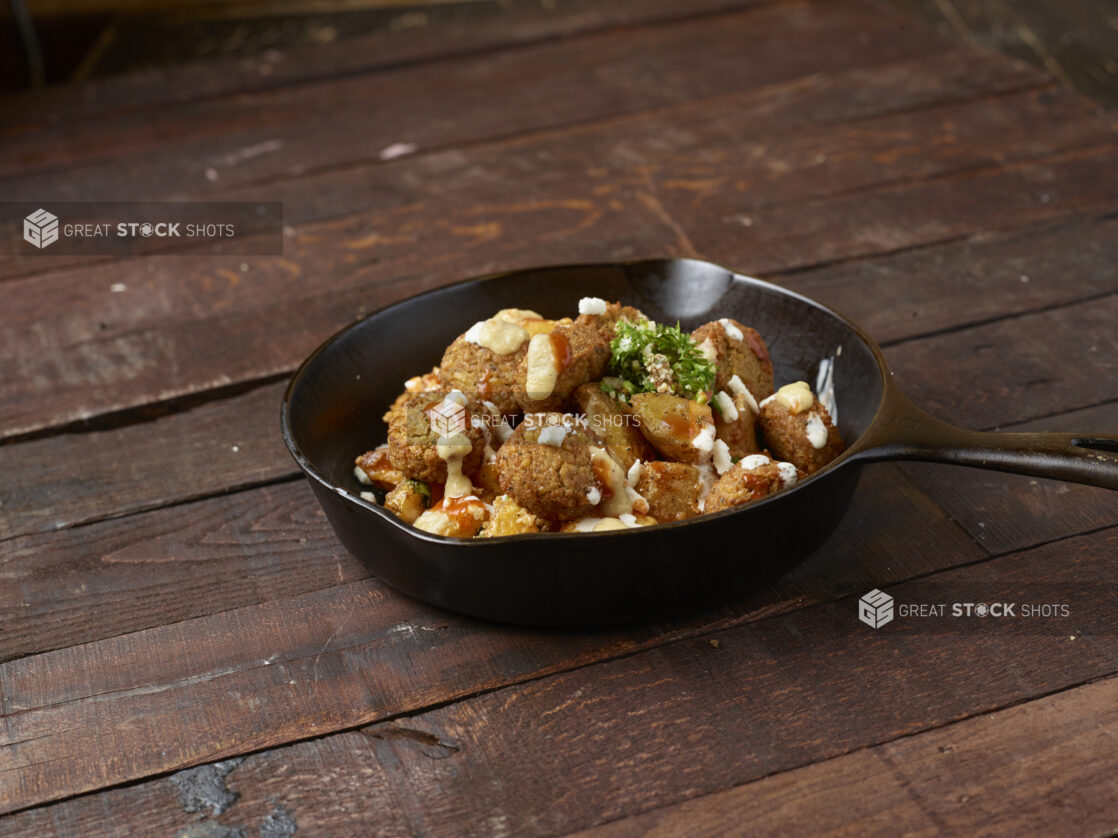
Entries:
{"x":654,"y":358}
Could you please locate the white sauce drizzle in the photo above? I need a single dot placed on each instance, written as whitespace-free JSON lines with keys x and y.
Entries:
{"x":602,"y":524}
{"x":753,"y":461}
{"x":707,"y":350}
{"x":452,"y":451}
{"x":732,"y":331}
{"x":795,"y":396}
{"x":787,"y":474}
{"x":726,"y":406}
{"x":502,"y":333}
{"x":542,"y":370}
{"x":816,"y":432}
{"x":706,"y":483}
{"x":622,"y":498}
{"x":591,"y":305}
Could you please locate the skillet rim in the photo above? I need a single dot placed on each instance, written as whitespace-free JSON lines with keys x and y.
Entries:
{"x":851,"y":454}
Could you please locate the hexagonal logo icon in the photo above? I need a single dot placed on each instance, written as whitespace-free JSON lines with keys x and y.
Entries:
{"x":875,"y":609}
{"x":40,"y":228}
{"x":448,"y":418}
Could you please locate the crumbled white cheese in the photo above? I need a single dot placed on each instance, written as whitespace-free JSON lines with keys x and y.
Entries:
{"x":738,"y":388}
{"x":633,"y":477}
{"x":816,"y":432}
{"x":732,"y":331}
{"x":726,"y":406}
{"x":553,"y":435}
{"x":362,"y":478}
{"x":456,"y":396}
{"x":706,"y":482}
{"x":704,"y":439}
{"x":707,"y":350}
{"x":753,"y":461}
{"x":628,"y":518}
{"x":369,"y":496}
{"x":722,"y":460}
{"x":591,"y":305}
{"x":594,"y":495}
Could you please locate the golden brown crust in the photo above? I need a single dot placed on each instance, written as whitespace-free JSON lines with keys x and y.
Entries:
{"x":786,"y":434}
{"x":589,"y":355}
{"x":413,"y":442}
{"x":482,"y":374}
{"x":740,"y":486}
{"x":551,"y":481}
{"x":747,"y":358}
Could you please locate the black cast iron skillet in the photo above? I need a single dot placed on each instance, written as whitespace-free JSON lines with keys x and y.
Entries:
{"x":332,"y":408}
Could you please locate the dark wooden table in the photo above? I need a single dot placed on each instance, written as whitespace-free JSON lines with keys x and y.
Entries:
{"x":188,"y":651}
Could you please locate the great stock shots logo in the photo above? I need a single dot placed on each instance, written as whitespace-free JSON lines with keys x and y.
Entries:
{"x":875,"y":609}
{"x":40,"y":228}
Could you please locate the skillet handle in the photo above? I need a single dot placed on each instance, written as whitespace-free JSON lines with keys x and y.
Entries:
{"x":908,"y":433}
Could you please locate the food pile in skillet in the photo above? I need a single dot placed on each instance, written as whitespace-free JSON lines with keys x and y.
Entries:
{"x":606,"y":422}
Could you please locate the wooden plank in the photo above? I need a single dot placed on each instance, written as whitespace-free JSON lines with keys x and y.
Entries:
{"x":1007,"y":512}
{"x":1015,"y":369}
{"x":121,"y":576}
{"x":819,"y":99}
{"x":456,"y":30}
{"x":865,"y":221}
{"x":217,"y":144}
{"x":987,"y":276}
{"x":603,"y":734}
{"x":982,"y":775}
{"x":604,"y":194}
{"x":66,"y":480}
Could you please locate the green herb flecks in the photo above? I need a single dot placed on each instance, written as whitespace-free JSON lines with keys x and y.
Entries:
{"x":653,"y":358}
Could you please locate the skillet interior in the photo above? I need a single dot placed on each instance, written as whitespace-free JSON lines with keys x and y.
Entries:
{"x":332,"y":413}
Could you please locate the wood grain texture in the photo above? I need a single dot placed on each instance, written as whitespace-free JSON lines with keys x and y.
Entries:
{"x":1007,"y":512}
{"x":484,"y":26}
{"x":965,"y":778}
{"x":602,"y":742}
{"x":616,"y":193}
{"x":217,"y":144}
{"x":68,"y":479}
{"x":985,"y":276}
{"x":1016,"y":369}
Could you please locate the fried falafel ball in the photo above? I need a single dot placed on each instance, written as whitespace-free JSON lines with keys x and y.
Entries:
{"x":735,"y":418}
{"x":415,"y":431}
{"x":483,"y":361}
{"x":558,"y":362}
{"x":603,"y":316}
{"x":419,"y":384}
{"x":735,"y":349}
{"x":798,"y":428}
{"x":750,"y":479}
{"x":545,"y":466}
